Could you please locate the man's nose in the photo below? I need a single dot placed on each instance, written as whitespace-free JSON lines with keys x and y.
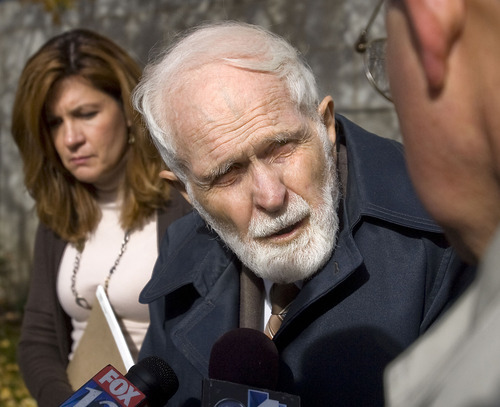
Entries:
{"x":269,"y":191}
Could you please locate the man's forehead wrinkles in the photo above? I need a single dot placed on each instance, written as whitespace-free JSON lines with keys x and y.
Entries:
{"x":234,"y":133}
{"x":218,"y":154}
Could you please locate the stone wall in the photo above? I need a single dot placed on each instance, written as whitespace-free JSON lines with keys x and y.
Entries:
{"x":324,"y":31}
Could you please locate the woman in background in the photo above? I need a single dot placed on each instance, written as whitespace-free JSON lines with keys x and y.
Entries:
{"x":93,"y":173}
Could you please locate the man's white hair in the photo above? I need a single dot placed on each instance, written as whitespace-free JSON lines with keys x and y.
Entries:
{"x":240,"y":45}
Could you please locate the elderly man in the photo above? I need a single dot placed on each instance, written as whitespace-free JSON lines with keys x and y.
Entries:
{"x":285,"y":191}
{"x":443,"y":58}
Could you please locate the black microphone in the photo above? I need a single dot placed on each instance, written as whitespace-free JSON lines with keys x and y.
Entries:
{"x":243,"y":372}
{"x":151,"y":382}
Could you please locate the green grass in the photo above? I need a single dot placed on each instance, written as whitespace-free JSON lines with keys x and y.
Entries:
{"x":13,"y":392}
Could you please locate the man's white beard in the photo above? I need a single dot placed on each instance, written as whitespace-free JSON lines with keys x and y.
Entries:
{"x":303,"y":256}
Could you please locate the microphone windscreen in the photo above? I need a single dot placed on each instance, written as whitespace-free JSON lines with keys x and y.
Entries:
{"x":155,"y":378}
{"x":245,"y":356}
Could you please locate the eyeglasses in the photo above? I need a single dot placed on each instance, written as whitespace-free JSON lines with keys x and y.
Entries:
{"x":374,"y":57}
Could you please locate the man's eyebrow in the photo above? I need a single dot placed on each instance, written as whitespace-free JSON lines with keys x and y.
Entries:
{"x":301,"y":133}
{"x":204,"y":181}
{"x":298,"y":134}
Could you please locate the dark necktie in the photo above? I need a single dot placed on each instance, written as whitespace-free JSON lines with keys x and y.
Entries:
{"x":252,"y":294}
{"x":281,"y":296}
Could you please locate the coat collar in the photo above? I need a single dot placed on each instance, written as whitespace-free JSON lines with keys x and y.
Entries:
{"x":189,"y":245}
{"x":377,"y":187}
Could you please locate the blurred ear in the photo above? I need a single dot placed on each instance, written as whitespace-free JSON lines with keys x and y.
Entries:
{"x":327,"y":113}
{"x":172,"y":179}
{"x":436,"y":24}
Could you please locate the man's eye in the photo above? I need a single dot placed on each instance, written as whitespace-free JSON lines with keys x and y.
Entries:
{"x":284,"y":148}
{"x":230,"y":176}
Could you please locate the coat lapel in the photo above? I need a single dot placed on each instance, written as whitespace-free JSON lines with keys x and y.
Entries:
{"x":340,"y":266}
{"x":214,"y":314}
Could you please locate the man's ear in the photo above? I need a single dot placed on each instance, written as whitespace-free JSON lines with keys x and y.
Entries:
{"x":172,"y":179}
{"x":327,"y":112}
{"x":436,"y":25}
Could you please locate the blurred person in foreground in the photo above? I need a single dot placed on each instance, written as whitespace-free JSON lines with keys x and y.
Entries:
{"x":285,"y":192}
{"x":442,"y":59}
{"x":93,"y":172}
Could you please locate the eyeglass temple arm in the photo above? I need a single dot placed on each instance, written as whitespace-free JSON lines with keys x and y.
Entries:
{"x":360,"y":44}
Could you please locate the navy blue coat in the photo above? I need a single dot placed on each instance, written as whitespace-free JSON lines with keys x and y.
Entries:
{"x":391,"y":275}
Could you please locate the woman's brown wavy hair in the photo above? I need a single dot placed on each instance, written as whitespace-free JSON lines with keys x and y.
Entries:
{"x":64,"y":204}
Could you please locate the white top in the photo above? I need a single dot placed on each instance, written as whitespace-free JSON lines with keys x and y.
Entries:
{"x":126,"y":283}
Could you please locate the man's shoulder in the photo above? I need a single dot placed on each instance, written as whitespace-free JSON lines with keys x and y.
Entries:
{"x":186,"y":224}
{"x":187,"y":232}
{"x":371,"y":153}
{"x":189,"y":249}
{"x":378,"y":184}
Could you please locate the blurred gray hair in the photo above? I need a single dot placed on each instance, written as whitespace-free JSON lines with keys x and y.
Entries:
{"x":239,"y":45}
